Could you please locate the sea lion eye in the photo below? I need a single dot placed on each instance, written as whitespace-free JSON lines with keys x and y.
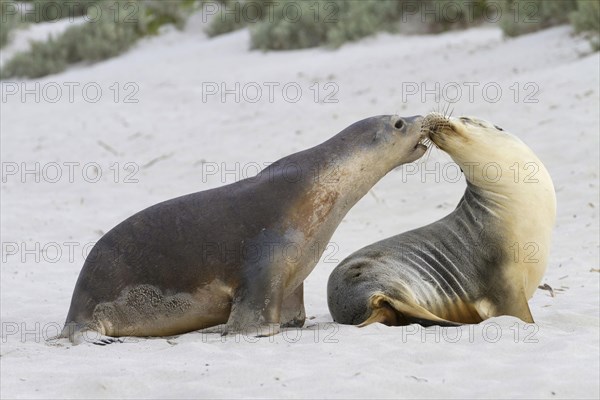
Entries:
{"x":497,"y":127}
{"x":399,"y":124}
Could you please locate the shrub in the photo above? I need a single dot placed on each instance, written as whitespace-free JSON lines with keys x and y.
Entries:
{"x":160,"y":12}
{"x":329,"y":23}
{"x":42,"y":59}
{"x":360,"y":19}
{"x":9,"y":23}
{"x":587,"y":19}
{"x":53,"y":10}
{"x":97,"y":41}
{"x":108,"y":36}
{"x":332,"y":23}
{"x":525,"y":16}
{"x":452,"y":14}
{"x":223,"y":22}
{"x":284,"y":32}
{"x":342,"y":21}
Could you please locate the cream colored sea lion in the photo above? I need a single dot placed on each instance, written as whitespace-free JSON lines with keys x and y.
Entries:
{"x":238,"y":254}
{"x":485,"y":259}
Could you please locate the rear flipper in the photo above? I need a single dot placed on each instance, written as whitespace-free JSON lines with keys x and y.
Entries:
{"x":79,"y":333}
{"x":108,"y":340}
{"x":398,"y":312}
{"x":394,"y":312}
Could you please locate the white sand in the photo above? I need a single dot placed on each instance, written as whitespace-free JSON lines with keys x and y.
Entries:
{"x":502,"y":358}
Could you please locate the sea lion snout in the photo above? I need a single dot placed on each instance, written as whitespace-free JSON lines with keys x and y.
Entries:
{"x":410,"y":134}
{"x":434,"y":123}
{"x":437,"y":126}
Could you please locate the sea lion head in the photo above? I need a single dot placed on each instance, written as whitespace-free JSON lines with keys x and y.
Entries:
{"x":490,"y":157}
{"x":384,"y":141}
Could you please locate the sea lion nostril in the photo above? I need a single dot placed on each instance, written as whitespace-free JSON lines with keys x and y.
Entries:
{"x":399,"y":124}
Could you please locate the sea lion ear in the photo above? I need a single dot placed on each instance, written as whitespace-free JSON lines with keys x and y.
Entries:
{"x":379,"y":133}
{"x":497,"y":127}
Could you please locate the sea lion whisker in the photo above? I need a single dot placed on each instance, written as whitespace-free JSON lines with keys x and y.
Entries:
{"x":451,"y":112}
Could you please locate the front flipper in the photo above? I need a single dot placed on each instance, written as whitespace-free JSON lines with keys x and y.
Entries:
{"x":292,"y":310}
{"x":255,"y":315}
{"x":512,"y":302}
{"x":256,"y":308}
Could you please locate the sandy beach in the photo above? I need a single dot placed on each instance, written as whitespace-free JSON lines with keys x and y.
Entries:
{"x":180,"y":113}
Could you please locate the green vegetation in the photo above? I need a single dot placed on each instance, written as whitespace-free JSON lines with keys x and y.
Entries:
{"x":111,"y":28}
{"x":444,"y":15}
{"x":587,"y":20}
{"x":53,"y":10}
{"x":42,"y":59}
{"x":298,"y":29}
{"x":525,"y":16}
{"x":223,"y":22}
{"x":17,"y":14}
{"x":292,"y":24}
{"x":10,"y":22}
